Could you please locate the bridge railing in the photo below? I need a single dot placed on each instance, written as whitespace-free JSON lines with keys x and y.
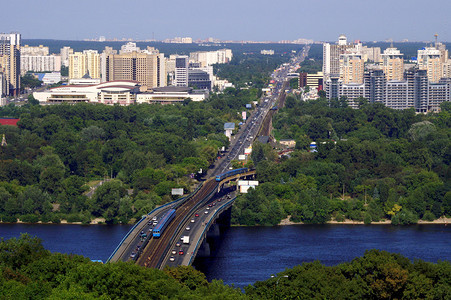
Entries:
{"x":183,"y":221}
{"x":182,"y":199}
{"x":207,"y":227}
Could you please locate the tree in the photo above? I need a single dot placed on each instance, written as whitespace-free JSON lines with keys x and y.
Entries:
{"x":106,"y":200}
{"x":32,"y":100}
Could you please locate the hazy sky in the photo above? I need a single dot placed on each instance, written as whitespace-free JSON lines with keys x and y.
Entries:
{"x":416,"y":20}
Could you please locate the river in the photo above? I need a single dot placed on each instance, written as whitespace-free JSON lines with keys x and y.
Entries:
{"x":244,"y":255}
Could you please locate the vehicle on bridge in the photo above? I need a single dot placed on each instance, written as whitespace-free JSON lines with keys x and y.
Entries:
{"x":231,"y":173}
{"x":164,"y":222}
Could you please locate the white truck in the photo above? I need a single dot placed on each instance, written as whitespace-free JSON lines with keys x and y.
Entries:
{"x":185,"y":239}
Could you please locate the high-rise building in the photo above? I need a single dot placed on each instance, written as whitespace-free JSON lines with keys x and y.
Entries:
{"x":351,"y":68}
{"x":208,"y":58}
{"x":375,"y":82}
{"x":10,"y":62}
{"x":414,"y":91}
{"x":34,"y":51}
{"x":92,"y":63}
{"x":40,"y":63}
{"x":82,"y":63}
{"x":393,"y":64}
{"x":430,"y":59}
{"x":181,"y":70}
{"x":65,"y":52}
{"x":147,"y":69}
{"x":331,"y":56}
{"x":103,"y":58}
{"x":129,"y":47}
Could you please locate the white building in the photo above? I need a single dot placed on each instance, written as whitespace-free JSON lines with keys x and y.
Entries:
{"x":65,"y":52}
{"x":267,"y":52}
{"x":181,"y":70}
{"x":129,"y":47}
{"x":40,"y":63}
{"x":52,"y":78}
{"x":171,"y":95}
{"x":208,"y":58}
{"x":113,"y":92}
{"x":34,"y":51}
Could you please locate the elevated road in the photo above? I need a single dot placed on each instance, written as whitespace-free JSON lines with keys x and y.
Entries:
{"x":156,"y":248}
{"x":151,"y":252}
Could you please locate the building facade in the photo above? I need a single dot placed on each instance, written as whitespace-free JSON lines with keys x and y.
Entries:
{"x":351,"y":68}
{"x":430,"y":59}
{"x":114,"y":92}
{"x":181,"y":70}
{"x":10,"y":62}
{"x":393,"y":64}
{"x":40,"y":63}
{"x":147,"y":69}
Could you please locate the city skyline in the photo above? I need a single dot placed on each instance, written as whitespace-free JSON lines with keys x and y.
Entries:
{"x":234,"y":20}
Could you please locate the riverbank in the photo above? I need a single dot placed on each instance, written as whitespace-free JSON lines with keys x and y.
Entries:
{"x":96,"y":221}
{"x":441,"y":221}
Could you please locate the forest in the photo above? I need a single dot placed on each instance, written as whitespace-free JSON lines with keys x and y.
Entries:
{"x":371,"y":164}
{"x":58,"y":152}
{"x":29,"y":271}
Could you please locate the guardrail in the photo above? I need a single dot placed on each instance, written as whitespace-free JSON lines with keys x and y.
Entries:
{"x":153,"y":211}
{"x":207,"y":226}
{"x":180,"y":226}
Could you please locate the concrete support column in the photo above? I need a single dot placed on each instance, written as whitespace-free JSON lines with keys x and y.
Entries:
{"x":213,"y":231}
{"x":204,"y":249}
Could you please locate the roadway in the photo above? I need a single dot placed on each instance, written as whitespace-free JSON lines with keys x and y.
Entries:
{"x":156,"y":248}
{"x":156,"y":252}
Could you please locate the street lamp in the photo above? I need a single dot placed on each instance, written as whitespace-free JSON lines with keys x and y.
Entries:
{"x":277,"y":282}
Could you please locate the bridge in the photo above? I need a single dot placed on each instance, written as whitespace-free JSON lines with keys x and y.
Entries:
{"x":200,"y":213}
{"x":195,"y":215}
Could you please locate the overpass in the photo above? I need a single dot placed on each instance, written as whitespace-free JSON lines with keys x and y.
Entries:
{"x":139,"y":245}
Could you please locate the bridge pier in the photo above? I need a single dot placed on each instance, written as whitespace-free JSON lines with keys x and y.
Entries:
{"x":213,"y":231}
{"x":204,"y":249}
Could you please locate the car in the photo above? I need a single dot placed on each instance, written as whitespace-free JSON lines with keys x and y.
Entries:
{"x":181,"y":252}
{"x":133,"y":255}
{"x":196,"y":215}
{"x":219,"y":200}
{"x":172,"y":258}
{"x":209,"y":205}
{"x":206,"y":212}
{"x":154,"y":218}
{"x":178,"y":244}
{"x":155,"y":223}
{"x":192,"y":220}
{"x":188,"y":228}
{"x":208,"y":208}
{"x":214,"y":203}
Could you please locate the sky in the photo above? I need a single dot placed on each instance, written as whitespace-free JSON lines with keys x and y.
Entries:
{"x":257,"y":20}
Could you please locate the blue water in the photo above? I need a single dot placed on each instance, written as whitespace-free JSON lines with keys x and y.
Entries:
{"x":245,"y":255}
{"x":93,"y":241}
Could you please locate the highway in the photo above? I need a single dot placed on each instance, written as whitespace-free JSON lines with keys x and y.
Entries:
{"x":251,"y":128}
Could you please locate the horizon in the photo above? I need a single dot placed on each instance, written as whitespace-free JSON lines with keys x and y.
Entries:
{"x":235,"y":20}
{"x":195,"y":41}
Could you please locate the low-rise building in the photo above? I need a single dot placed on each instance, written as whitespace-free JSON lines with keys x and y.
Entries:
{"x":171,"y":95}
{"x":121,"y":92}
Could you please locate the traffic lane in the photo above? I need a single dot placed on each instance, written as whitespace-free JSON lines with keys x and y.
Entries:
{"x":194,"y":227}
{"x":146,"y":228}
